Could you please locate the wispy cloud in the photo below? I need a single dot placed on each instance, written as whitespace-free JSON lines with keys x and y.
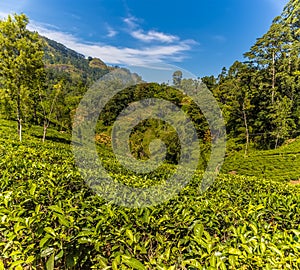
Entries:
{"x":111,"y":32}
{"x":153,"y":36}
{"x":4,"y":14}
{"x":158,"y":48}
{"x":75,"y":16}
{"x":219,"y":38}
{"x":138,"y":33}
{"x":140,"y":56}
{"x":131,"y":22}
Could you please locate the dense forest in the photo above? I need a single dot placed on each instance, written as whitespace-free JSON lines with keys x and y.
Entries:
{"x":259,"y":97}
{"x":53,"y":218}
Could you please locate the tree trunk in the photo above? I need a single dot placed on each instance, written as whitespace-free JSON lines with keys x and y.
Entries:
{"x":276,"y":142}
{"x":46,"y":125}
{"x":35,"y":113}
{"x":247,"y":130}
{"x":19,"y":117}
{"x":20,"y":129}
{"x":273,"y":77}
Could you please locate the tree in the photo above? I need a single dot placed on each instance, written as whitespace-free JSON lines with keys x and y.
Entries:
{"x":210,"y":82}
{"x":281,"y":119}
{"x":48,"y":106}
{"x":21,"y":65}
{"x":275,"y":56}
{"x":235,"y":92}
{"x":277,"y":52}
{"x":177,"y":76}
{"x":267,"y":51}
{"x":291,"y":16}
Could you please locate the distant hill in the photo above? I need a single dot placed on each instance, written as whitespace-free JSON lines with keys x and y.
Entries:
{"x":59,"y":58}
{"x":72,"y":73}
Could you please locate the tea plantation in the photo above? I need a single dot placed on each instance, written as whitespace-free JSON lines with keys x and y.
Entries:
{"x":51,"y":220}
{"x":282,"y":164}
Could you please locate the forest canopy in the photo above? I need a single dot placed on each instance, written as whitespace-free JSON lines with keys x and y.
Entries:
{"x":259,"y":97}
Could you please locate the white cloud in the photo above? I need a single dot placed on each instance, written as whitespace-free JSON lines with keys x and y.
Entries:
{"x":131,"y":21}
{"x":165,"y":47}
{"x":142,"y":56}
{"x":153,"y":36}
{"x":3,"y":14}
{"x":111,"y":32}
{"x":147,"y":36}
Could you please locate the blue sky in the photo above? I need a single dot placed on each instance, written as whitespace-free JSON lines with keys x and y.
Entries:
{"x":200,"y":36}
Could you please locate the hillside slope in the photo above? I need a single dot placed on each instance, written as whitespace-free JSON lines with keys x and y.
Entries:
{"x":282,"y":164}
{"x":50,"y":219}
{"x":62,"y":59}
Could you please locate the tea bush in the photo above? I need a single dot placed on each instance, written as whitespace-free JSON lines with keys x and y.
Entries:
{"x":51,"y":220}
{"x":282,"y":164}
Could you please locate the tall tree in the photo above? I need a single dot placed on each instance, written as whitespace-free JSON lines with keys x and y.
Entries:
{"x":177,"y":77}
{"x":235,"y":93}
{"x":276,"y":57}
{"x":281,"y":119}
{"x":21,"y":65}
{"x":48,"y":105}
{"x":267,"y":51}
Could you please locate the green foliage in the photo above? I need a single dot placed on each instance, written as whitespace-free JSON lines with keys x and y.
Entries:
{"x":260,"y":97}
{"x":51,"y":220}
{"x":21,"y":68}
{"x":177,"y":77}
{"x":30,"y":70}
{"x":281,"y":119}
{"x":151,"y":129}
{"x":62,"y":61}
{"x":74,"y":74}
{"x":281,"y":164}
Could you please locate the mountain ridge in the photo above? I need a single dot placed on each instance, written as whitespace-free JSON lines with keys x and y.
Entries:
{"x":58,"y":57}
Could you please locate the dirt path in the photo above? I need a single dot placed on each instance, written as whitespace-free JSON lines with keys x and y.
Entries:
{"x":295,"y":182}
